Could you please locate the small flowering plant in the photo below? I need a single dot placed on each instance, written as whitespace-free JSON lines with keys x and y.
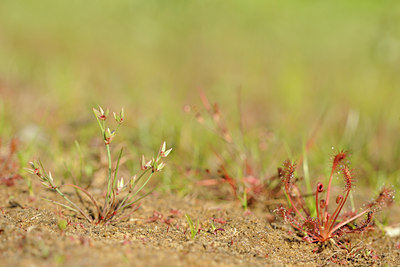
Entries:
{"x":120,"y":195}
{"x":328,"y":225}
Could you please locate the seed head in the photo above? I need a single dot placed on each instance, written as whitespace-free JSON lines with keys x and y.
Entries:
{"x":101,"y":114}
{"x":163,"y":152}
{"x":108,"y":136}
{"x":120,"y":185}
{"x":119,"y":118}
{"x":146,"y":165}
{"x":160,"y":166}
{"x":132,"y":182}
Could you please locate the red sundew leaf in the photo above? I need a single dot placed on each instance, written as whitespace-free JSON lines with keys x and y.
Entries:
{"x":328,"y":225}
{"x":156,"y":217}
{"x":219,"y":220}
{"x":338,"y":159}
{"x":175,"y":212}
{"x":348,"y":177}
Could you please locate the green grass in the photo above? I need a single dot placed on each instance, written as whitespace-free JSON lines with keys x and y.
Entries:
{"x":294,"y":62}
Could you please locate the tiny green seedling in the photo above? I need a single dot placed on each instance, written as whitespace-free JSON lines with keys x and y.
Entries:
{"x":213,"y":228}
{"x":62,"y":224}
{"x":193,"y":230}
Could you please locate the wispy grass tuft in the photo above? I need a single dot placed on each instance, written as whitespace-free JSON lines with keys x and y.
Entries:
{"x":120,"y":194}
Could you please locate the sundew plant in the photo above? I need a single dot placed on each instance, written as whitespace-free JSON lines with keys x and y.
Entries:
{"x":120,"y":194}
{"x":329,"y":224}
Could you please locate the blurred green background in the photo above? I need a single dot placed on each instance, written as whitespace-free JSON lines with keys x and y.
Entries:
{"x":293,"y":66}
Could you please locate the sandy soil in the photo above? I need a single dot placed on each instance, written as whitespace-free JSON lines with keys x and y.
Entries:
{"x":158,"y":235}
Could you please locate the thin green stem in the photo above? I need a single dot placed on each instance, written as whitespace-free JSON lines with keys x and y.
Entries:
{"x":116,"y":168}
{"x":143,"y":185}
{"x":101,"y":123}
{"x":61,"y":204}
{"x":106,"y":203}
{"x":140,"y":189}
{"x":109,"y":169}
{"x":133,"y":187}
{"x":306,"y":171}
{"x":244,"y":200}
{"x":73,"y":204}
{"x":138,"y":199}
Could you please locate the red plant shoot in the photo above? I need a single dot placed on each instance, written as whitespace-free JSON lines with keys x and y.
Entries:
{"x":8,"y":164}
{"x":327,"y":225}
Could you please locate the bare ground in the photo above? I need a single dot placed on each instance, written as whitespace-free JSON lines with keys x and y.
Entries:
{"x":158,"y":235}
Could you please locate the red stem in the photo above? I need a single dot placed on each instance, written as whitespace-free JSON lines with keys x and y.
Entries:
{"x":317,"y":206}
{"x":291,"y":203}
{"x":334,"y":216}
{"x":349,"y":220}
{"x":328,"y":191}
